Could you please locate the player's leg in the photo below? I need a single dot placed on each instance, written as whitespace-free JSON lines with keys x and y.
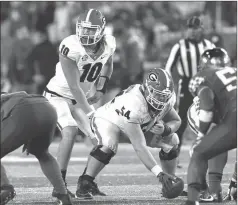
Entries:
{"x":221,"y":139}
{"x":7,"y":190}
{"x":65,"y":147}
{"x":216,"y":166}
{"x":108,"y":136}
{"x":45,"y":119}
{"x":12,"y":137}
{"x":169,"y":150}
{"x":232,"y":190}
{"x":68,"y":128}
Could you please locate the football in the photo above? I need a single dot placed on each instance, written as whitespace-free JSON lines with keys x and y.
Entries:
{"x":177,"y":188}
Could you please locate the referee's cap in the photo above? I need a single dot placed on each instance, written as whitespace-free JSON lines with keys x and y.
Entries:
{"x":194,"y":22}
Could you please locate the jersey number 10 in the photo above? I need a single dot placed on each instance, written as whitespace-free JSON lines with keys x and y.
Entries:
{"x":90,"y":73}
{"x":228,"y":78}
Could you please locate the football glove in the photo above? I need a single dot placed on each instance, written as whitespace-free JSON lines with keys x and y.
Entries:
{"x":172,"y":186}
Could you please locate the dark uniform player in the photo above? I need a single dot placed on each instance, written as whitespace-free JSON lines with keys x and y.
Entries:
{"x":29,"y":120}
{"x":216,"y":88}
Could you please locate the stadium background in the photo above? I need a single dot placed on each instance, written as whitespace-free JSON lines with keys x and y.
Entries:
{"x":32,"y":31}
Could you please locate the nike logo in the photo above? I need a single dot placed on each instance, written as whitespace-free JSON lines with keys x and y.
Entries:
{"x":103,"y":56}
{"x":208,"y":199}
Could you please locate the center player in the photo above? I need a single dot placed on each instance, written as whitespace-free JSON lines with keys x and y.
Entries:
{"x":133,"y":112}
{"x":80,"y":80}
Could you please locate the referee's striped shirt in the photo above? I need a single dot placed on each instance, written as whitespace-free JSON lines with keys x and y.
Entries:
{"x":185,"y":56}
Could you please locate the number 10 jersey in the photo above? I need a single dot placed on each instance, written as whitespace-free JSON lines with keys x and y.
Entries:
{"x":90,"y":67}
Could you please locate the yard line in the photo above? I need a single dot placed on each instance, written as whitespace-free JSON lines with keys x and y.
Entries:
{"x":120,"y":175}
{"x":33,"y":159}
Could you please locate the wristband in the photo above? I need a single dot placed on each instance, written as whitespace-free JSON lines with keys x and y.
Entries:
{"x":156,"y":170}
{"x":104,"y":88}
{"x":167,"y":131}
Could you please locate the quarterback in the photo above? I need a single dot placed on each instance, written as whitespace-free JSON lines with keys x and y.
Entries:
{"x":215,"y":86}
{"x":132,"y":113}
{"x":80,"y":80}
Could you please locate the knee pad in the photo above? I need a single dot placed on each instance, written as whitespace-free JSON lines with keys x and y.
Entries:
{"x":103,"y":155}
{"x":169,"y":156}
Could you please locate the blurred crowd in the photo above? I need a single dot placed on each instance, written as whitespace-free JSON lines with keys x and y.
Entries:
{"x":144,"y":31}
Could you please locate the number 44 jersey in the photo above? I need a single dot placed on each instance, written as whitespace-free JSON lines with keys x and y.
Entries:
{"x":89,"y":66}
{"x":223,"y":83}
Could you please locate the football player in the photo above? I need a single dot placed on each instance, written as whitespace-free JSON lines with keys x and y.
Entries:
{"x":216,"y":164}
{"x":30,"y":121}
{"x":81,"y":79}
{"x":133,"y":112}
{"x":213,"y":193}
{"x":215,"y":85}
{"x":232,"y":190}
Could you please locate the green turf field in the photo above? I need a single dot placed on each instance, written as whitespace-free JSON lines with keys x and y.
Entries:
{"x":125,"y":180}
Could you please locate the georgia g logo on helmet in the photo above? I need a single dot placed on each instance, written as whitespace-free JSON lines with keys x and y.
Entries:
{"x":153,"y":77}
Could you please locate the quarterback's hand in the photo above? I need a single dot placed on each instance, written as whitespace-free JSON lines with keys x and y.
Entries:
{"x":158,"y":128}
{"x":95,"y":98}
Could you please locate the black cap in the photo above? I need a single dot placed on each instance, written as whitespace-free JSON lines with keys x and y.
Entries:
{"x":194,"y":22}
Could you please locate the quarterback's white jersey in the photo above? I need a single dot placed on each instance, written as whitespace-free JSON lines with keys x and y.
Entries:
{"x":89,"y":67}
{"x":131,"y":107}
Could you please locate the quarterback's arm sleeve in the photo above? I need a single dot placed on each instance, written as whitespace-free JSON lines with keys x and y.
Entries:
{"x":137,"y":138}
{"x":172,"y":120}
{"x":105,"y":76}
{"x":206,"y":107}
{"x":173,"y":58}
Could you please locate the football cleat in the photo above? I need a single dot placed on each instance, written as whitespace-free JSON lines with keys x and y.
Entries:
{"x":7,"y":194}
{"x":206,"y":197}
{"x":87,"y":188}
{"x":55,"y":194}
{"x":63,"y":199}
{"x":190,"y":203}
{"x":232,"y":192}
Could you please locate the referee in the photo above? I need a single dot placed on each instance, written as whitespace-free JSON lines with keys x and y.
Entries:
{"x":182,"y":64}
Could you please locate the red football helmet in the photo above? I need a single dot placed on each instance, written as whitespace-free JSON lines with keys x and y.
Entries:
{"x":90,"y":27}
{"x":214,"y":58}
{"x":159,"y":88}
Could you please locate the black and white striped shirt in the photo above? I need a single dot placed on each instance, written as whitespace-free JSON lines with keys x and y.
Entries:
{"x":185,"y":56}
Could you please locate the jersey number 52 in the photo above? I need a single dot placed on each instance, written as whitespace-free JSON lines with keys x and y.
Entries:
{"x":228,"y":78}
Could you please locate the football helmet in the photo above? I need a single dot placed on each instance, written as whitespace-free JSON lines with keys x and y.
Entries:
{"x":216,"y":57}
{"x":90,"y":27}
{"x":159,"y":88}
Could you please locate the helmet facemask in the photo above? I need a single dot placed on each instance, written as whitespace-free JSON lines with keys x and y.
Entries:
{"x":157,"y":99}
{"x":87,"y":33}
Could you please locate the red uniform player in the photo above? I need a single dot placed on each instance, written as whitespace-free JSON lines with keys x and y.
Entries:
{"x":215,"y":85}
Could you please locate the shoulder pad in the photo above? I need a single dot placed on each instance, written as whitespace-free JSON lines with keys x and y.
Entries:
{"x":111,"y":42}
{"x":136,"y":108}
{"x":70,"y":47}
{"x":194,"y":84}
{"x":173,"y":100}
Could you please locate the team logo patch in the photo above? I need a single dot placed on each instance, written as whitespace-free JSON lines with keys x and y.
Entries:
{"x":153,"y":77}
{"x":84,"y":58}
